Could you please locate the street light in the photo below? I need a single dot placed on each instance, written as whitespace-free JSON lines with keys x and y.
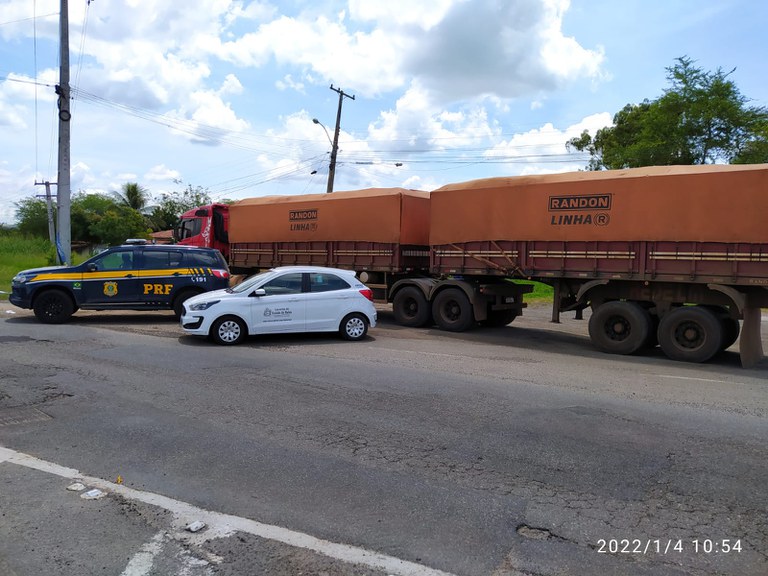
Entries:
{"x":316,"y":121}
{"x":334,"y":145}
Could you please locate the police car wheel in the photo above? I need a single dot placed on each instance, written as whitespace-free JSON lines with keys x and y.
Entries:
{"x":53,"y":307}
{"x":354,"y":327}
{"x":178,"y":303}
{"x":228,"y":330}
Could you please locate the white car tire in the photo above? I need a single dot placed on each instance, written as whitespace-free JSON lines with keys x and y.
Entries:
{"x":228,"y":330}
{"x":354,"y":327}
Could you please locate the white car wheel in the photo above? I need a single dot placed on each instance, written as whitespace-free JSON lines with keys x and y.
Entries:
{"x":228,"y":330}
{"x":354,"y":327}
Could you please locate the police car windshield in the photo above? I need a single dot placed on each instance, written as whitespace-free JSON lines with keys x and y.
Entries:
{"x":249,"y":283}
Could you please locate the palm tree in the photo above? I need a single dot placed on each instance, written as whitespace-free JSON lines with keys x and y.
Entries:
{"x":133,"y":196}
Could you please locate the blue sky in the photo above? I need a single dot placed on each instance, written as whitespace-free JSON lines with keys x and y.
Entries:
{"x":221,"y":93}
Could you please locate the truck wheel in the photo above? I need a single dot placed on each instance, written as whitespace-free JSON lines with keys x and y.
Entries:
{"x":353,"y":327}
{"x":730,"y":325}
{"x":690,"y":334}
{"x":228,"y":330}
{"x":411,"y":308}
{"x":619,"y":327}
{"x":452,"y":310}
{"x":731,"y":330}
{"x":181,"y":297}
{"x":498,"y":318}
{"x":54,"y":307}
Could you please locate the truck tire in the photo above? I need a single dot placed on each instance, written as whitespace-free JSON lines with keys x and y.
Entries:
{"x":228,"y":331}
{"x":452,"y":310}
{"x":731,"y":330}
{"x":499,"y":318}
{"x":54,"y":306}
{"x":411,"y":308}
{"x":730,"y":325}
{"x":690,"y":334}
{"x":353,"y":327}
{"x":619,"y":327}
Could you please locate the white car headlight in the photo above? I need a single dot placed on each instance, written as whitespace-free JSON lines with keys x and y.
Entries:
{"x":203,"y":305}
{"x":20,"y":279}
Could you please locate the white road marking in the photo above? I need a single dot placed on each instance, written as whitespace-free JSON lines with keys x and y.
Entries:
{"x":142,"y":561}
{"x":694,"y":379}
{"x":223,"y":525}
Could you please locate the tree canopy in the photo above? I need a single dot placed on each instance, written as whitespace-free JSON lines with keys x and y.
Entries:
{"x":133,"y":196}
{"x":112,"y":218}
{"x":702,"y":118}
{"x":165,"y":215}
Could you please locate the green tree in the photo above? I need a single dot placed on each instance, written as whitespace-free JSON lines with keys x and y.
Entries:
{"x":116,"y":225}
{"x":133,"y":196}
{"x":701,"y":119}
{"x":32,"y":217}
{"x":101,"y":219}
{"x":171,"y":206}
{"x":84,"y":210}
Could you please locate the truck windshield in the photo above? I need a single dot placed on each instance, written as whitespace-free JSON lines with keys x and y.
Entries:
{"x":188,"y":228}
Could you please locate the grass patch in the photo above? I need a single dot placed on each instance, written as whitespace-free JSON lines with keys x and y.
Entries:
{"x":18,"y":253}
{"x":542,"y":293}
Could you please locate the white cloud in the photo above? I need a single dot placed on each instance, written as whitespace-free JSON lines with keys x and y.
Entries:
{"x":161,"y":173}
{"x":544,"y":150}
{"x":508,"y":49}
{"x":287,"y":82}
{"x":425,"y":14}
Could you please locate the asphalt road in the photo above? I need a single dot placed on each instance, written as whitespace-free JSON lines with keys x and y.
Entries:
{"x":509,"y":451}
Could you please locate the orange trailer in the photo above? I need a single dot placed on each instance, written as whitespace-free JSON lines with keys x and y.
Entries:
{"x":673,"y":255}
{"x":378,"y":229}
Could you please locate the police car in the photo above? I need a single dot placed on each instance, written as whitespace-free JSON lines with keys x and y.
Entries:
{"x":128,"y":277}
{"x":282,"y":300}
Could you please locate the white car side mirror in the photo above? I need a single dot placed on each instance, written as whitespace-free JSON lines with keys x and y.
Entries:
{"x":259,"y":292}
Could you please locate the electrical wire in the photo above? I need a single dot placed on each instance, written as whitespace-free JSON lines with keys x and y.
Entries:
{"x":34,"y":52}
{"x":82,"y":48}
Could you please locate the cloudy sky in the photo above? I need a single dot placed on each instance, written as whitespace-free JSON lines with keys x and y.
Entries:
{"x":221,"y":93}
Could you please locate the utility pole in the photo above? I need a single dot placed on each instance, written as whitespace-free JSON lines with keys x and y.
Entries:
{"x":64,"y":244}
{"x":49,"y":209}
{"x":335,"y":146}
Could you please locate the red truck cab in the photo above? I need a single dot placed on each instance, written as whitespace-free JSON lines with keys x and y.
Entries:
{"x":206,"y":227}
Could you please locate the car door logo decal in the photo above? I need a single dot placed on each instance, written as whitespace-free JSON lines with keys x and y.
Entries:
{"x":110,"y":289}
{"x":277,"y":314}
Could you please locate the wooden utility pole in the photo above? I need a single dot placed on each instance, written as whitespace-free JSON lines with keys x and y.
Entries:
{"x":49,"y":210}
{"x":64,"y":244}
{"x":335,"y":145}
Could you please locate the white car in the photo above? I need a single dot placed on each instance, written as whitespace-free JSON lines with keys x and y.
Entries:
{"x":285,"y":299}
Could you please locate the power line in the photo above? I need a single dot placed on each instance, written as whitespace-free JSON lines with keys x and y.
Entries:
{"x":29,"y":18}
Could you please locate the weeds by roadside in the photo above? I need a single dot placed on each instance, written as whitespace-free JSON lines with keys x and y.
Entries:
{"x":18,"y":252}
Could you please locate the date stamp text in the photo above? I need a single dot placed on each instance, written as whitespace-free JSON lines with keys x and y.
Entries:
{"x":668,"y":546}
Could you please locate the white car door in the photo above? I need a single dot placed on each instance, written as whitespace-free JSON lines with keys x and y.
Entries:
{"x":282,"y":308}
{"x":328,"y":300}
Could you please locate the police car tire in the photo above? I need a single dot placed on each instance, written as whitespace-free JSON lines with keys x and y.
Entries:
{"x":228,"y":330}
{"x":53,"y":307}
{"x":178,"y":302}
{"x":354,"y":327}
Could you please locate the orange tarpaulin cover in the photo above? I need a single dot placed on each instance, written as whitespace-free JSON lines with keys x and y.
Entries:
{"x":389,"y":215}
{"x":711,"y":203}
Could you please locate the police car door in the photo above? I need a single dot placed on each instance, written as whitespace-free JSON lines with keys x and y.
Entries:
{"x":282,"y":308}
{"x":111,"y":278}
{"x":162,"y":272}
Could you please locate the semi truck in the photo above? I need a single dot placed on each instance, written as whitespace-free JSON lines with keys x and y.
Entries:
{"x":674,"y":256}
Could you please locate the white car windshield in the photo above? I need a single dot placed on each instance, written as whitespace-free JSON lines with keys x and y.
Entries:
{"x":250,"y":282}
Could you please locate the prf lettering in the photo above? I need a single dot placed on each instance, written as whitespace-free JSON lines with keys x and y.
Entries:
{"x":163,"y":289}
